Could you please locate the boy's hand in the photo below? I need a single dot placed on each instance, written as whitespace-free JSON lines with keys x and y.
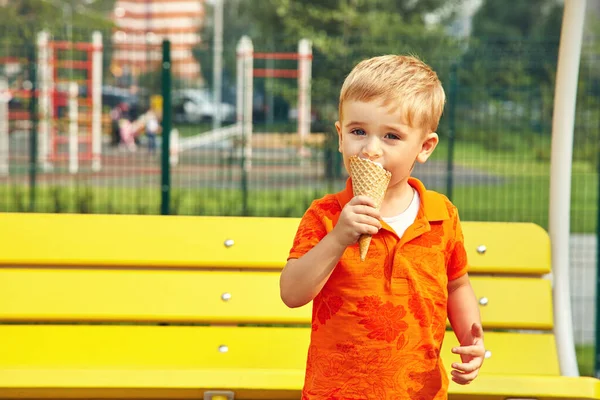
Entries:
{"x":358,"y":217}
{"x":472,"y":358}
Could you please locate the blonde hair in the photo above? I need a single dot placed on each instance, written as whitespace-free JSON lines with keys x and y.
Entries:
{"x":403,"y":81}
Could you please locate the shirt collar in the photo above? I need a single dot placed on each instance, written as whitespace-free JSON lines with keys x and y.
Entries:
{"x":432,"y":205}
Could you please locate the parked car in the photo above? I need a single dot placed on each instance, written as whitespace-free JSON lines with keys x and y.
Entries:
{"x":195,"y":105}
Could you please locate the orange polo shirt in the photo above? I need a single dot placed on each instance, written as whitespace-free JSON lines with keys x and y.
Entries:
{"x":378,"y":325}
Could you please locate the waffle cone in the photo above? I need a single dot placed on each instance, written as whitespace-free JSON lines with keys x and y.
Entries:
{"x":368,"y":179}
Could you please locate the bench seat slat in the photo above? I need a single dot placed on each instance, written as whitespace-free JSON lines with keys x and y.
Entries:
{"x":510,"y":248}
{"x":180,"y":241}
{"x":163,"y":384}
{"x":195,"y":296}
{"x":62,"y":361}
{"x":38,"y":347}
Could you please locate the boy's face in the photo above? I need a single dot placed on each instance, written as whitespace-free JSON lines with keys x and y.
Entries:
{"x":377,"y":132}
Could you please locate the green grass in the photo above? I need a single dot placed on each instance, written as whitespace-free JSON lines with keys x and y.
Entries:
{"x":519,"y":199}
{"x":522,"y":195}
{"x":99,"y":200}
{"x":526,"y":199}
{"x":585,"y":359}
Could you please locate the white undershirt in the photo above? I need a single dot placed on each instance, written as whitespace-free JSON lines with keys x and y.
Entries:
{"x":401,"y":222}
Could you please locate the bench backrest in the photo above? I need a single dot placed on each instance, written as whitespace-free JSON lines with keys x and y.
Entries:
{"x":225,"y":270}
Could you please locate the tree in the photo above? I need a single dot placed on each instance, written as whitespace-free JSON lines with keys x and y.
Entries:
{"x":513,"y":44}
{"x":21,"y":20}
{"x":343,"y":32}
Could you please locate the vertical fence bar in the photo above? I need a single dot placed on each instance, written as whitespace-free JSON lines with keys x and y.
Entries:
{"x":96,"y":95}
{"x":44,"y":74}
{"x":165,"y":187}
{"x":248,"y":51}
{"x":33,"y":132}
{"x":451,"y":129}
{"x":218,"y":64}
{"x":304,"y":99}
{"x":245,"y":77}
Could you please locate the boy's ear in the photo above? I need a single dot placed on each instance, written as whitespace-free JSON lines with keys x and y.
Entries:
{"x":429,"y":144}
{"x":338,"y":127}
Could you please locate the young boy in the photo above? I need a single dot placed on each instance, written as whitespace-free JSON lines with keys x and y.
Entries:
{"x":378,"y":325}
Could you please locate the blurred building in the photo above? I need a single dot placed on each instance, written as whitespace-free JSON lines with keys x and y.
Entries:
{"x":141,"y":26}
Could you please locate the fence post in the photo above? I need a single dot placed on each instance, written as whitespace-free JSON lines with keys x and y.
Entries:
{"x":165,"y":187}
{"x":245,"y":77}
{"x":4,"y":99}
{"x":96,"y":96}
{"x":44,"y":74}
{"x":304,"y":87}
{"x":218,"y":63}
{"x":246,"y":53}
{"x":451,"y":128}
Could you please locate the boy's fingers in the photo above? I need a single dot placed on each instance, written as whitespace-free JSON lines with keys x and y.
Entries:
{"x":467,"y":367}
{"x":475,"y":351}
{"x":368,"y":230}
{"x":366,"y":210}
{"x":468,"y":376}
{"x":460,"y":382}
{"x":364,"y":200}
{"x":368,"y":220}
{"x":463,"y":379}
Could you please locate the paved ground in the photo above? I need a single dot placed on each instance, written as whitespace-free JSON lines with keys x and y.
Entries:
{"x":220,"y":168}
{"x":583,"y":286}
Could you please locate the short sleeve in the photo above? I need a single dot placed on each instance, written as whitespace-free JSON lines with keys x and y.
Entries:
{"x":457,"y":263}
{"x":310,"y":232}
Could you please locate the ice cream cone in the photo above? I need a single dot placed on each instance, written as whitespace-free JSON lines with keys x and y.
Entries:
{"x":368,"y":179}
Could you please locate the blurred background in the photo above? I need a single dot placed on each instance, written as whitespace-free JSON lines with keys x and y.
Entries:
{"x":96,"y":146}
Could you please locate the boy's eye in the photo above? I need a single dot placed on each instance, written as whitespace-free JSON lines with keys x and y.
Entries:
{"x":358,"y":131}
{"x":392,"y":136}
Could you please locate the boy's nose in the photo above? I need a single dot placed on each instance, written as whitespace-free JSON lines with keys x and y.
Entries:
{"x":372,"y":149}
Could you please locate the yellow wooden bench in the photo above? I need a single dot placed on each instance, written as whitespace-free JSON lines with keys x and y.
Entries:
{"x":96,"y":306}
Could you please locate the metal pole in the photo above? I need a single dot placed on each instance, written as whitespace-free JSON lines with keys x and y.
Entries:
{"x":165,"y":187}
{"x":96,"y":86}
{"x":304,"y":88}
{"x":218,"y":63}
{"x":248,"y":52}
{"x":245,"y":76}
{"x":451,"y":129}
{"x":597,"y":350}
{"x":565,"y":99}
{"x":45,"y":87}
